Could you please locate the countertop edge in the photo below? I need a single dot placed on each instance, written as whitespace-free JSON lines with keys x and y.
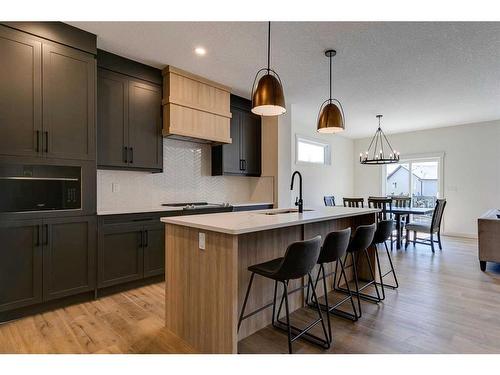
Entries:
{"x":168,"y":220}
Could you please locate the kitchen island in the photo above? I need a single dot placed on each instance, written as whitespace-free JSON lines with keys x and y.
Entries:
{"x":206,"y":268}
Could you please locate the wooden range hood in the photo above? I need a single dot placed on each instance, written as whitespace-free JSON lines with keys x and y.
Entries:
{"x":195,"y":108}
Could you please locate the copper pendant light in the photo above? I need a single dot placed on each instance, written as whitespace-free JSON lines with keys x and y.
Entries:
{"x":268,"y":98}
{"x":331,"y":117}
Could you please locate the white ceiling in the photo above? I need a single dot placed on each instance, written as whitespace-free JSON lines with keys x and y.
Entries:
{"x":419,"y":75}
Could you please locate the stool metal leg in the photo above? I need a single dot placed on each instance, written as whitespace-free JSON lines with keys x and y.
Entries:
{"x":355,"y":268}
{"x":392,"y":270}
{"x":334,"y":309}
{"x":245,"y":301}
{"x":379,"y":273}
{"x":296,"y":332}
{"x":289,"y":327}
{"x":274,"y":302}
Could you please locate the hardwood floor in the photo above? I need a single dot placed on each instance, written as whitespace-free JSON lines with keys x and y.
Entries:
{"x":128,"y":322}
{"x":445,"y":304}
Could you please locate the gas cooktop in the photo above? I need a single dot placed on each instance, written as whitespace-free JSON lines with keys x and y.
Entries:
{"x":200,"y":205}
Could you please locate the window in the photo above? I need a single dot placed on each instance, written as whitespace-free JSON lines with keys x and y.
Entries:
{"x":418,"y":178}
{"x":308,"y":150}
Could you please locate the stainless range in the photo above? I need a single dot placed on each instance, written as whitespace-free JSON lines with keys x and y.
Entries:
{"x":194,"y":208}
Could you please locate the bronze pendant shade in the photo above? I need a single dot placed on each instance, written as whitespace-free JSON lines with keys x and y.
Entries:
{"x":267,"y":96}
{"x":331,"y":118}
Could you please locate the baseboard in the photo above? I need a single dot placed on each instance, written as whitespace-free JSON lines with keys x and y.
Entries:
{"x":461,"y":235}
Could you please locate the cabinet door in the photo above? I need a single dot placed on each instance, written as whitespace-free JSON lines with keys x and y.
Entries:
{"x":112,"y":119}
{"x":231,"y":154}
{"x":154,"y":249}
{"x":68,"y":103}
{"x":120,"y":254}
{"x":145,"y":139}
{"x":69,"y":256}
{"x":20,"y":93}
{"x":251,"y":143}
{"x":20,"y":264}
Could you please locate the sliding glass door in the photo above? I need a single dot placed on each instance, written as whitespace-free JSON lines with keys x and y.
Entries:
{"x":416,"y":178}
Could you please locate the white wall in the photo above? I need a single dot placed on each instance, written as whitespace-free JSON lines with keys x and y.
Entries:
{"x":471,"y":170}
{"x":319,"y":180}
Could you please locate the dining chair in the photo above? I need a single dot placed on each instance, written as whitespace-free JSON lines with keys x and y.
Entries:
{"x":382,"y":203}
{"x":402,"y":201}
{"x":434,"y":227}
{"x":329,"y":200}
{"x":354,"y":202}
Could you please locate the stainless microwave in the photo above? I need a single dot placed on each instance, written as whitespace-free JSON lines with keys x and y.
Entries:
{"x":25,"y":188}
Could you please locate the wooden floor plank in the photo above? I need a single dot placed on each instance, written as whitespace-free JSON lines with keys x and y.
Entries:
{"x":445,"y":304}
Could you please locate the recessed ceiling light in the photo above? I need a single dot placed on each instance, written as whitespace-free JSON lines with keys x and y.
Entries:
{"x":200,"y":51}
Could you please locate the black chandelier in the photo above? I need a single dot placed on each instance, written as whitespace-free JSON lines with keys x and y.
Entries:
{"x":380,"y":150}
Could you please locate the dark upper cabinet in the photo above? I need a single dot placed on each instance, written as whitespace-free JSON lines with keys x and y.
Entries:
{"x":243,"y":155}
{"x":69,"y":256}
{"x":20,"y":93}
{"x":250,"y":143}
{"x":231,"y":153}
{"x":20,"y":264}
{"x":154,"y":249}
{"x":47,"y":94}
{"x":120,"y":254}
{"x":145,"y":140}
{"x":112,"y":119}
{"x":128,"y":115}
{"x":68,"y":103}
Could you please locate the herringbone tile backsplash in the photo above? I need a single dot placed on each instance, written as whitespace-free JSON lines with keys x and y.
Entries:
{"x":185,"y":178}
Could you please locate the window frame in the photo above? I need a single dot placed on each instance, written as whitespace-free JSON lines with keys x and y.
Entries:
{"x":314,"y":141}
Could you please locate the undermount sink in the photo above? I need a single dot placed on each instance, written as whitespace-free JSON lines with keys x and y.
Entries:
{"x":287,"y":211}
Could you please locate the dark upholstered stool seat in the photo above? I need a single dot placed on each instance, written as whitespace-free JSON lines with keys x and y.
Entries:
{"x":267,"y":269}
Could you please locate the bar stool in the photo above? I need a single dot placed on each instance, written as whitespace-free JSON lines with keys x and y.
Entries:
{"x":360,"y":242}
{"x":299,"y":260}
{"x":383,"y":234}
{"x":333,"y":249}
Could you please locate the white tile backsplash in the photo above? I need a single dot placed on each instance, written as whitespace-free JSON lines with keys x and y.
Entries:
{"x":186,"y":177}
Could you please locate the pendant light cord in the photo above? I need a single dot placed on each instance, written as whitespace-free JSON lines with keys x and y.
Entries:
{"x":268,"y":46}
{"x":330,"y":78}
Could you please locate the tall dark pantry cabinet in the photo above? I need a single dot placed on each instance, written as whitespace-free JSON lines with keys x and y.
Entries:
{"x":47,"y":128}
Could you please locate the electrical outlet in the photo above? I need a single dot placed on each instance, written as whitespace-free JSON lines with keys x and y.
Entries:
{"x":201,"y":240}
{"x":115,"y":188}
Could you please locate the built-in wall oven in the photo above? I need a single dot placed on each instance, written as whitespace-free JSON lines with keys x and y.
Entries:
{"x":29,"y":187}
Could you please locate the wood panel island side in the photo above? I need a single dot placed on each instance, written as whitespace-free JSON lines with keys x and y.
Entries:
{"x":206,"y":268}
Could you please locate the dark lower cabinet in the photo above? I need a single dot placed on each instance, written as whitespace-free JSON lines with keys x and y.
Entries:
{"x":69,"y":256}
{"x":154,"y":250}
{"x":20,"y":264}
{"x":41,"y":260}
{"x":120,"y":258}
{"x":131,"y":247}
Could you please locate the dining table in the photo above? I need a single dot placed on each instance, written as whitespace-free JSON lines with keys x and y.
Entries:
{"x":398,"y":212}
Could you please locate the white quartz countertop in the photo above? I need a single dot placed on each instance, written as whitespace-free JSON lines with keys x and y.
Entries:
{"x":255,"y":221}
{"x":160,"y":208}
